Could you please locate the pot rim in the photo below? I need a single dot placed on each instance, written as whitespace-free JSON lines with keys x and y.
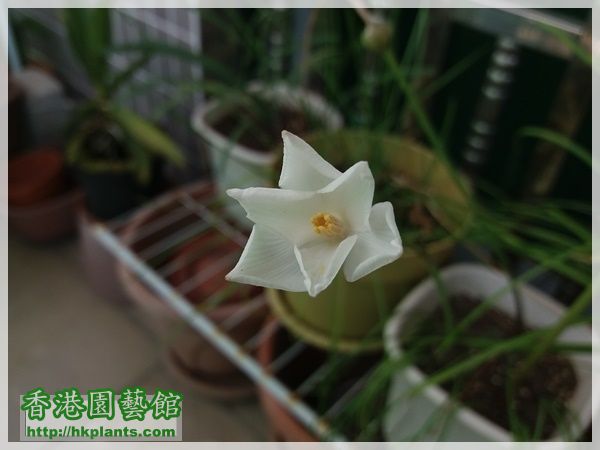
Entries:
{"x":74,"y":195}
{"x":318,"y":338}
{"x":281,"y":93}
{"x":315,"y":337}
{"x":434,"y":392}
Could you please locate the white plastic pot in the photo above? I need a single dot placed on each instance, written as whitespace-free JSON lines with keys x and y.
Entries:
{"x":407,"y":414}
{"x":237,"y":166}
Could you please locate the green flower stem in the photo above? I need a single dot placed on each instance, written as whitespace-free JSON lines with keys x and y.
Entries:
{"x":415,"y":104}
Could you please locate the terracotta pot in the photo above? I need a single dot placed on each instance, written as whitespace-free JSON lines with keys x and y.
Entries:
{"x":201,"y":362}
{"x":36,"y":176}
{"x":276,"y":342}
{"x":49,"y":220}
{"x":156,"y":311}
{"x":285,"y":427}
{"x":99,"y":265}
{"x":352,"y":312}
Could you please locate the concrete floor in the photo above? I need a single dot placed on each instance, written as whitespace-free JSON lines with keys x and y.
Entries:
{"x":63,"y":334}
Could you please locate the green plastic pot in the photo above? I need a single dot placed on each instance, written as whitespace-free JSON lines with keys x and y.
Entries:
{"x":349,"y":317}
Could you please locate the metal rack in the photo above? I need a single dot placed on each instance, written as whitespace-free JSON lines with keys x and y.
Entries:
{"x":210,"y":218}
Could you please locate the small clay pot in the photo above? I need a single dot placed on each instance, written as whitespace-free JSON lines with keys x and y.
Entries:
{"x":52,"y":219}
{"x":36,"y":176}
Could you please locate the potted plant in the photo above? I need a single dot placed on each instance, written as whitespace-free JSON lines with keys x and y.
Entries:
{"x":430,"y":208}
{"x":41,"y":197}
{"x":36,"y":176}
{"x":494,"y":391}
{"x":242,"y":128}
{"x":207,"y":252}
{"x":115,"y":153}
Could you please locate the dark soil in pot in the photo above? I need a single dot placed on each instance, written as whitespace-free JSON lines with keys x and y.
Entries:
{"x":539,"y":398}
{"x":262,"y":130}
{"x":345,"y":371}
{"x":111,"y":187}
{"x":199,"y":255}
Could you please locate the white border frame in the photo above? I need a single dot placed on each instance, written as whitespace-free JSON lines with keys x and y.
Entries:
{"x":5,"y":4}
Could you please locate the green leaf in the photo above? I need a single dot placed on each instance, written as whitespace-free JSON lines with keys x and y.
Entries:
{"x":578,"y":49}
{"x":125,"y":75}
{"x":88,"y":30}
{"x":141,"y":163}
{"x":561,"y":141}
{"x":73,"y":149}
{"x":209,"y":65}
{"x":148,"y":136}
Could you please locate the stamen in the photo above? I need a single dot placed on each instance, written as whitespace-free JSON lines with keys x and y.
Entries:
{"x":328,"y":225}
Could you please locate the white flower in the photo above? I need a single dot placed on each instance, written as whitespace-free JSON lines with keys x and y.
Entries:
{"x":320,"y":220}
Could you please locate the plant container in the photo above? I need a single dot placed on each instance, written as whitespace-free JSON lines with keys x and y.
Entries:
{"x":238,"y":164}
{"x":329,"y":389}
{"x":52,"y":219}
{"x":36,"y":176}
{"x":350,"y":316}
{"x":409,"y":413}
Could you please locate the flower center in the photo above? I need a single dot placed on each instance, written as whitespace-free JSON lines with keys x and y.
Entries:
{"x":328,"y":225}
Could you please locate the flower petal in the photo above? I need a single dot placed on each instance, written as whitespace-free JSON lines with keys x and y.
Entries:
{"x":283,"y":211}
{"x":321,"y":261}
{"x":376,"y":248}
{"x":351,"y":196}
{"x":268,"y":260}
{"x":303,"y":168}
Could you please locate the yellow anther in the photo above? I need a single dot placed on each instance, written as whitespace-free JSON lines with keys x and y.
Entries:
{"x":328,"y":225}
